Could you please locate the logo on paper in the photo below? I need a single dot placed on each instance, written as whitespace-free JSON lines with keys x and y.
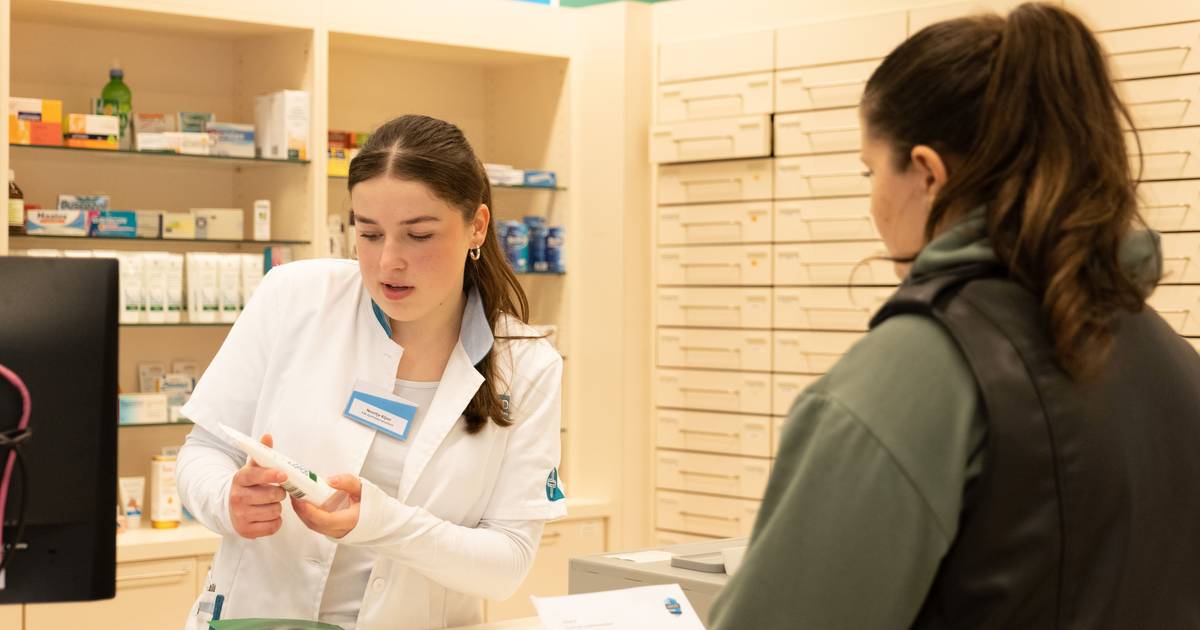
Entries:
{"x":553,"y":489}
{"x":673,"y":606}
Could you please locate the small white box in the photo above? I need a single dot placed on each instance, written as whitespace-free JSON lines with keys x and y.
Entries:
{"x":132,"y":302}
{"x":178,"y":225}
{"x":202,"y":288}
{"x":227,"y":224}
{"x":230,"y":282}
{"x":143,"y":408}
{"x":252,"y":273}
{"x":154,"y":279}
{"x":175,"y":303}
{"x":262,"y":220}
{"x":281,"y":123}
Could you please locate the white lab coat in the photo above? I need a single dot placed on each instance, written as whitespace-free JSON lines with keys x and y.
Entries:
{"x":287,"y":368}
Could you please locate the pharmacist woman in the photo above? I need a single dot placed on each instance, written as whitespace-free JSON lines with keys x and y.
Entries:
{"x":440,"y":516}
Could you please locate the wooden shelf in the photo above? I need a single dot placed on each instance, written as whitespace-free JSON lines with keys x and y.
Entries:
{"x":153,"y":156}
{"x":181,"y":423}
{"x":97,"y":242}
{"x":498,"y":186}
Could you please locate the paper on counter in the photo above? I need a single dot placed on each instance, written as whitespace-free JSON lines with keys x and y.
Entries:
{"x":658,"y":607}
{"x":641,"y":557}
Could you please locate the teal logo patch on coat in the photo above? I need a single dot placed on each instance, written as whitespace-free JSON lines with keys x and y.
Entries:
{"x":505,"y":406}
{"x":553,"y":490}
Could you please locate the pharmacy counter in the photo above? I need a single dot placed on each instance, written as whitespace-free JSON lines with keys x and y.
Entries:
{"x":146,"y":543}
{"x":527,"y":623}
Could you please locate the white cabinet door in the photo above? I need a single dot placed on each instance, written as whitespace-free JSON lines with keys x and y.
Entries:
{"x":717,"y":98}
{"x":920,"y":18}
{"x":709,"y":390}
{"x":785,"y":388}
{"x":824,"y":131}
{"x":743,"y":53}
{"x":715,"y":182}
{"x":725,"y":308}
{"x":706,"y":348}
{"x":1162,"y":102}
{"x":1181,"y":258}
{"x":834,"y":264}
{"x":1103,"y":15}
{"x":854,"y":39}
{"x":1195,"y":343}
{"x":718,"y":139}
{"x":150,"y":594}
{"x":724,"y":433}
{"x":711,"y":224}
{"x":1171,"y":206}
{"x":831,"y":219}
{"x":11,"y":617}
{"x":707,"y":516}
{"x":822,"y":87}
{"x":827,"y":308}
{"x":725,"y":475}
{"x":1166,"y":153}
{"x":1153,"y":52}
{"x":561,"y":541}
{"x":808,"y":352}
{"x":834,"y":175}
{"x":746,"y":265}
{"x":1179,"y":306}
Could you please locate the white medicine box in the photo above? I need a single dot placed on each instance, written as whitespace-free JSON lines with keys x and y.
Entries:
{"x":282,"y":123}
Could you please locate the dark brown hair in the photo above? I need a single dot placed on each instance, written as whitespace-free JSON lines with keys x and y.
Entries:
{"x":437,"y":154}
{"x":1025,"y":109}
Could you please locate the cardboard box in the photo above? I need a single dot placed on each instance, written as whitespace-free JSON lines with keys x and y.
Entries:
{"x":193,"y":122}
{"x":231,"y":140}
{"x":155,"y":142}
{"x":225,"y":224}
{"x":153,"y":123}
{"x":179,"y":225}
{"x":96,"y":203}
{"x":540,"y":179}
{"x":282,"y":120}
{"x":35,"y":121}
{"x":338,"y":164}
{"x":115,"y":224}
{"x":341,"y":139}
{"x":57,"y":222}
{"x":149,"y":223}
{"x":189,"y":143}
{"x":93,"y":125}
{"x":143,"y":408}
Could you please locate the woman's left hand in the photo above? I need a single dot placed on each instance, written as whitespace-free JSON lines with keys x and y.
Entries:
{"x":338,"y":522}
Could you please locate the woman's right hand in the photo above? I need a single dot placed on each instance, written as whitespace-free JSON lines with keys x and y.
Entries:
{"x":256,"y":506}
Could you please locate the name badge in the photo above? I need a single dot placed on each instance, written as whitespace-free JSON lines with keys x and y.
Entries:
{"x":381,"y":410}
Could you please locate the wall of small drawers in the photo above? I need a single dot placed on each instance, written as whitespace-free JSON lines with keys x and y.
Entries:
{"x":765,"y":267}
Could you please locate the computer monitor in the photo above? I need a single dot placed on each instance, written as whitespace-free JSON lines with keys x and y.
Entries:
{"x":58,"y":333}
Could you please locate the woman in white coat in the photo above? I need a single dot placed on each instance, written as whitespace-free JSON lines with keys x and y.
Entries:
{"x":443,"y":513}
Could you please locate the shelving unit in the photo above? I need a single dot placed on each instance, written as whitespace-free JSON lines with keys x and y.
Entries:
{"x":138,"y":156}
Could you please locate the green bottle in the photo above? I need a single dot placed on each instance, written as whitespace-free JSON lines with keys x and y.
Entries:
{"x":117,"y":100}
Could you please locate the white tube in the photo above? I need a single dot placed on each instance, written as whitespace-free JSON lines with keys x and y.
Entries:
{"x":301,"y":483}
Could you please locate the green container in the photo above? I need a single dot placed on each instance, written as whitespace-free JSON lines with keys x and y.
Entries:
{"x":117,"y":100}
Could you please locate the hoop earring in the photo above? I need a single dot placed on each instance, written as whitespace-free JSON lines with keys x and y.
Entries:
{"x":474,"y":253}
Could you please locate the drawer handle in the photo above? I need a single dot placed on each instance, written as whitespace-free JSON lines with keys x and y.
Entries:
{"x":709,"y":390}
{"x":717,"y":433}
{"x":836,"y":219}
{"x":710,"y":264}
{"x":713,"y":97}
{"x":1168,"y":206}
{"x":820,"y":130}
{"x":827,"y":84}
{"x":720,"y":307}
{"x":862,"y":174}
{"x":696,"y":473}
{"x":702,"y":138}
{"x":1142,"y":51}
{"x":153,"y":576}
{"x":709,"y":349}
{"x":1162,"y":153}
{"x":1164,"y":101}
{"x":548,"y":536}
{"x":836,"y":309}
{"x":695,"y":223}
{"x":697,"y":182}
{"x":710,"y":517}
{"x":1175,"y":311}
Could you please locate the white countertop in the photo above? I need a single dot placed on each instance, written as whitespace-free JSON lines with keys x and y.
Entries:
{"x":147,"y":543}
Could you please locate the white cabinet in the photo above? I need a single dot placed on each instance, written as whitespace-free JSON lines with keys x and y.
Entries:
{"x":808,"y":352}
{"x":561,"y":541}
{"x":785,"y":388}
{"x":743,"y":53}
{"x":1195,"y":343}
{"x":742,"y":222}
{"x":718,"y":139}
{"x":830,"y":219}
{"x":150,"y":594}
{"x":724,"y":433}
{"x":838,"y":264}
{"x":1171,"y":206}
{"x":855,"y":39}
{"x":715,"y":265}
{"x":1181,"y":258}
{"x":1166,"y":153}
{"x":1153,"y":52}
{"x":707,"y":390}
{"x":834,"y":175}
{"x":1179,"y":306}
{"x":710,"y":516}
{"x":922,"y":17}
{"x":1103,"y":15}
{"x":827,"y":308}
{"x":727,"y":308}
{"x":822,"y":87}
{"x":824,"y":131}
{"x":1162,"y":102}
{"x":777,"y":433}
{"x":715,"y":182}
{"x":726,"y":475}
{"x":717,"y":98}
{"x":748,"y":350}
{"x":11,"y":616}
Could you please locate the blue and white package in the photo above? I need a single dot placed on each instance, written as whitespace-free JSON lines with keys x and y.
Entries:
{"x":541,"y":179}
{"x":516,"y":245}
{"x":115,"y":224}
{"x":556,"y":262}
{"x":537,"y":244}
{"x":57,"y":222}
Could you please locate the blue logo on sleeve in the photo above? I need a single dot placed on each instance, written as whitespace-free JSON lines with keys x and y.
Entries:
{"x":673,"y":606}
{"x":553,"y":489}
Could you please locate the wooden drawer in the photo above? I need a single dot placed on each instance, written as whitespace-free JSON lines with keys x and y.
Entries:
{"x":663,"y":538}
{"x":707,"y":516}
{"x":833,"y":264}
{"x":920,"y":18}
{"x":785,"y":388}
{"x":746,"y":265}
{"x":855,"y":39}
{"x":150,"y":594}
{"x":743,"y":53}
{"x":1103,"y":15}
{"x":1166,"y":153}
{"x":715,"y":182}
{"x":1181,"y":258}
{"x":1171,"y":206}
{"x":728,"y":434}
{"x":748,"y":350}
{"x":807,"y":352}
{"x":1153,"y":52}
{"x":726,"y":308}
{"x":742,"y":222}
{"x":717,"y":98}
{"x":726,"y":475}
{"x":717,"y":139}
{"x":822,"y":87}
{"x":1162,"y":102}
{"x":828,"y":308}
{"x":561,"y":541}
{"x":704,"y":390}
{"x":833,"y":175}
{"x":824,"y":131}
{"x":777,"y":434}
{"x":831,"y":219}
{"x":1195,"y":343}
{"x":12,"y":616}
{"x":1180,"y":306}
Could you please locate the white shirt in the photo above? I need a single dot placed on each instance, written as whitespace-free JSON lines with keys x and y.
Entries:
{"x":444,"y":540}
